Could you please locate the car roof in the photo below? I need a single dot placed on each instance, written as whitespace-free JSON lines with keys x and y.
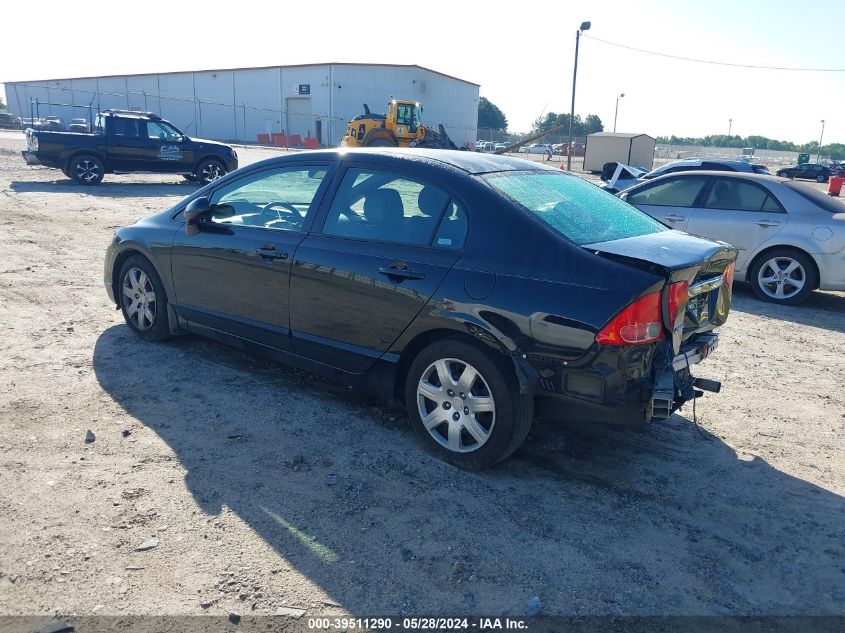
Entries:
{"x":469,"y":162}
{"x":744,"y":175}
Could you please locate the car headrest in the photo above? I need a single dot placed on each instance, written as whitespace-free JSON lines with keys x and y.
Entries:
{"x":431,"y":201}
{"x":383,"y":207}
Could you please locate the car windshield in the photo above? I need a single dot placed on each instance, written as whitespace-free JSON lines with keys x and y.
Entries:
{"x":816,"y":197}
{"x":575,"y":208}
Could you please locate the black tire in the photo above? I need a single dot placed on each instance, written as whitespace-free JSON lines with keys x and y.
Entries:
{"x":507,"y":426}
{"x":782,"y":174}
{"x":210,"y":170}
{"x":806,"y":271}
{"x":821,"y":178}
{"x":86,"y":169}
{"x":158,"y":329}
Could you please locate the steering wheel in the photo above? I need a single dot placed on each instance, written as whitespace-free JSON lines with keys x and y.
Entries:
{"x":287,"y":213}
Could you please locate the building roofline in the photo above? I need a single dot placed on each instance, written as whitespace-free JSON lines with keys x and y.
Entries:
{"x":214,"y":70}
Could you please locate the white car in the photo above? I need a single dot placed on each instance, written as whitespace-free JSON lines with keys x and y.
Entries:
{"x":536,"y":148}
{"x":790,"y":235}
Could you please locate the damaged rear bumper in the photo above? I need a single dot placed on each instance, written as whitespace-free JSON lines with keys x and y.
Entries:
{"x":623,"y":386}
{"x":673,"y":387}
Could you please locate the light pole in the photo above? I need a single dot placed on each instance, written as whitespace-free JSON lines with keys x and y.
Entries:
{"x":585,"y":26}
{"x":616,"y":113}
{"x":821,"y":136}
{"x":730,"y":123}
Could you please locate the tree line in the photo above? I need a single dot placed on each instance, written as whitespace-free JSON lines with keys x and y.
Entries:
{"x":491,"y":117}
{"x":835,"y":150}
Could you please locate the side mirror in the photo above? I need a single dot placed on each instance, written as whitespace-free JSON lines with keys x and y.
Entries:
{"x":194,"y":212}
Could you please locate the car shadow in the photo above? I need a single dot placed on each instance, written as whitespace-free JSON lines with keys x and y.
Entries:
{"x":107,"y":189}
{"x":593,"y":521}
{"x":821,"y":309}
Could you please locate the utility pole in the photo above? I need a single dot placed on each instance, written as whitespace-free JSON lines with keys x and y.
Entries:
{"x":616,"y":113}
{"x":730,"y":123}
{"x":821,"y":136}
{"x":585,"y":26}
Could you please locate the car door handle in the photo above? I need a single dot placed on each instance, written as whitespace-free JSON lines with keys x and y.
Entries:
{"x":271,"y":253}
{"x":675,"y":217}
{"x":767,"y":223}
{"x":401,"y":273}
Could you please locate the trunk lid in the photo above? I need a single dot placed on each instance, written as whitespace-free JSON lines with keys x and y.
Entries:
{"x":680,"y":258}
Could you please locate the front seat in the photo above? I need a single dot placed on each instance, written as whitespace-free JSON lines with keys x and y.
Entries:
{"x":385,"y":215}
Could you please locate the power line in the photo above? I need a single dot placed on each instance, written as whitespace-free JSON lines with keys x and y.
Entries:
{"x":714,"y":63}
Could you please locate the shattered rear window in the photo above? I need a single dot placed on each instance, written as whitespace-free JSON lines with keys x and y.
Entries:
{"x":575,"y":208}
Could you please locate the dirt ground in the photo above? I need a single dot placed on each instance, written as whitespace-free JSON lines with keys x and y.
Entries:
{"x":266,"y":487}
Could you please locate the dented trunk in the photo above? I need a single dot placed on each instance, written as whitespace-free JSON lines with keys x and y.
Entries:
{"x":705,"y":267}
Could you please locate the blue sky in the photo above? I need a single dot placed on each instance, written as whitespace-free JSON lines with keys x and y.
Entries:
{"x":521,"y":53}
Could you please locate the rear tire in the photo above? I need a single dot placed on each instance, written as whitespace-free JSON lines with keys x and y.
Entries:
{"x":786,"y":272}
{"x":86,"y":169}
{"x":470,"y":420}
{"x":143,"y":300}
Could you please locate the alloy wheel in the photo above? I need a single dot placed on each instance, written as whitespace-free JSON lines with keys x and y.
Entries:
{"x":211,"y":172}
{"x":456,"y":405}
{"x":87,"y":170}
{"x":781,"y":278}
{"x":139,"y":299}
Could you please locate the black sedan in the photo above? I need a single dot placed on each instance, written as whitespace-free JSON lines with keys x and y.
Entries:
{"x":808,"y":171}
{"x":470,"y":287}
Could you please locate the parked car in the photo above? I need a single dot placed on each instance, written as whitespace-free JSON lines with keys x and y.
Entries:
{"x":536,"y":148}
{"x":790,"y":236}
{"x":499,"y":146}
{"x":471,"y":288}
{"x":10,"y":121}
{"x":54,"y":123}
{"x":808,"y":171}
{"x":35,"y":124}
{"x":689,"y":164}
{"x":78,"y":125}
{"x":125,"y":141}
{"x":484,"y":146}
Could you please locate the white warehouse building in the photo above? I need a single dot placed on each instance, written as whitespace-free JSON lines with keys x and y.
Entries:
{"x":311,"y":100}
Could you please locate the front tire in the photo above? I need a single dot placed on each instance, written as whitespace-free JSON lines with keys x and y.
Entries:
{"x":143,"y":300}
{"x":86,"y":170}
{"x":464,"y":404}
{"x":821,"y":178}
{"x":785,"y":276}
{"x":210,"y":170}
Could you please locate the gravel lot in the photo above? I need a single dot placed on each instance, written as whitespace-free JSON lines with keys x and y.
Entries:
{"x":266,"y":487}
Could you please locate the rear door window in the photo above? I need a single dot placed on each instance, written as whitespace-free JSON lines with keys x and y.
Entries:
{"x":735,"y":194}
{"x":673,"y":192}
{"x":381,"y":206}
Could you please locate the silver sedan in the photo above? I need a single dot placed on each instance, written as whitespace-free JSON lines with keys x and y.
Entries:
{"x":790,"y":235}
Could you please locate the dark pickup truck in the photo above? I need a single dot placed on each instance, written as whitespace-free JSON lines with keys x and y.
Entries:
{"x":125,"y":141}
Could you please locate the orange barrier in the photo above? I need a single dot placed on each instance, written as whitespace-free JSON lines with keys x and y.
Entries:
{"x":834,"y":185}
{"x":279,"y":139}
{"x":264,"y":139}
{"x":294,"y":140}
{"x":310,"y":143}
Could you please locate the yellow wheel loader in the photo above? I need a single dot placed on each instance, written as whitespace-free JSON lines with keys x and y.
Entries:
{"x":400,"y":127}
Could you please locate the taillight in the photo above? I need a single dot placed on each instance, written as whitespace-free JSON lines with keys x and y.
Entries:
{"x":678,"y":297}
{"x":637,"y":324}
{"x":728,"y":275}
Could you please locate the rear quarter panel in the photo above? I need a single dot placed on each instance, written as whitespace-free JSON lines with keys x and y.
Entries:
{"x":524,"y":289}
